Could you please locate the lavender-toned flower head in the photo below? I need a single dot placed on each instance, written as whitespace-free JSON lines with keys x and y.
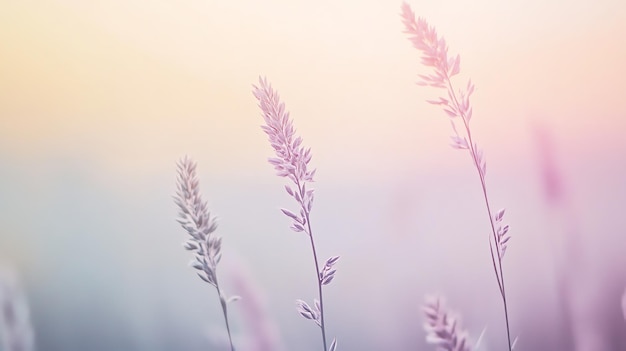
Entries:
{"x":195,"y":218}
{"x":434,"y":49}
{"x":292,"y":158}
{"x":442,"y":328}
{"x":292,"y":161}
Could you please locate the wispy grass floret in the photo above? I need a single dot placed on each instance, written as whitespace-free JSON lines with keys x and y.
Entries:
{"x":196,"y":219}
{"x":442,"y":328}
{"x":292,"y":161}
{"x":456,"y":104}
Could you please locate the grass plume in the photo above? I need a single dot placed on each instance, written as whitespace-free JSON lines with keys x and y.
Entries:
{"x":197,"y":221}
{"x":292,"y":161}
{"x":456,"y":104}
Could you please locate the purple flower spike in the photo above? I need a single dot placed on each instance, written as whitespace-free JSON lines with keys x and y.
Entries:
{"x":292,"y":161}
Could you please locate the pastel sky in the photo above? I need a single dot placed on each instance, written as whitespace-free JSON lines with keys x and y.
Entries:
{"x":133,"y":85}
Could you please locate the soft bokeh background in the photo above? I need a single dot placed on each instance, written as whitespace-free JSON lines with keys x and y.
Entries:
{"x":98,"y":100}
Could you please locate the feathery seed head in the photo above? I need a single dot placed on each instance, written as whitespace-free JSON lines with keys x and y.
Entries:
{"x":195,"y":218}
{"x":292,"y":159}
